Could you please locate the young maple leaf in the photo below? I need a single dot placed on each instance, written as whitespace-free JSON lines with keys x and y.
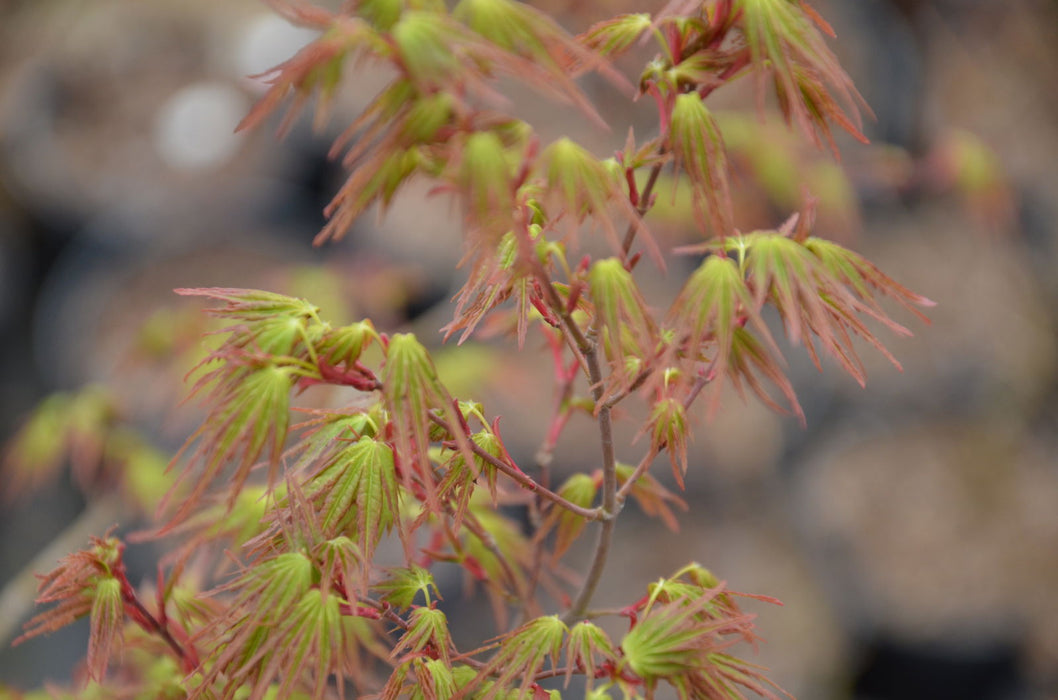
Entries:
{"x":356,"y":493}
{"x":629,"y":332}
{"x":651,"y":496}
{"x":282,"y":625}
{"x":522,"y":653}
{"x":586,"y":642}
{"x":411,"y":393}
{"x":90,"y":582}
{"x":783,"y":39}
{"x":699,"y":151}
{"x":681,"y":633}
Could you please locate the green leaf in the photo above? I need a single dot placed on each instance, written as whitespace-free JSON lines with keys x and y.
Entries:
{"x":427,"y":627}
{"x":411,"y":391}
{"x":587,"y":641}
{"x":709,"y":308}
{"x":107,"y":617}
{"x":523,"y":653}
{"x":357,"y":493}
{"x":616,"y":35}
{"x":699,"y":150}
{"x":579,"y":489}
{"x":621,"y":312}
{"x":403,"y":584}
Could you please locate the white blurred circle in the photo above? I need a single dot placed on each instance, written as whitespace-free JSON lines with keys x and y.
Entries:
{"x":195,"y":128}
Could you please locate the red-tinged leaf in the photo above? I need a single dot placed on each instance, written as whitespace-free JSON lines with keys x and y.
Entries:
{"x":521,"y":654}
{"x":669,"y":430}
{"x":356,"y":493}
{"x":107,"y":617}
{"x":699,"y":151}
{"x":587,"y":643}
{"x":249,"y":420}
{"x":580,"y":185}
{"x":317,"y":66}
{"x":620,"y":311}
{"x":412,"y":392}
{"x":783,"y":40}
{"x":427,"y":630}
{"x":713,"y":304}
{"x":862,"y":276}
{"x":748,"y":360}
{"x":71,"y":428}
{"x":402,"y":586}
{"x":550,"y":55}
{"x":88,"y":582}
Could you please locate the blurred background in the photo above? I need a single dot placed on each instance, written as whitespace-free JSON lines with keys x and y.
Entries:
{"x":911,"y":529}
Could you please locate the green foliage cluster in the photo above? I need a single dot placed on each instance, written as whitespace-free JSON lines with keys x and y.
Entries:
{"x":306,"y":610}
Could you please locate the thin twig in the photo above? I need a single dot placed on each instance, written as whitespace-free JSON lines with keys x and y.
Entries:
{"x":644,"y":204}
{"x":523,"y":479}
{"x":640,"y":470}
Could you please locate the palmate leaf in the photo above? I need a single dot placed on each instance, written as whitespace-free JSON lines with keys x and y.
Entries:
{"x":65,"y":427}
{"x":784,"y":40}
{"x":699,"y":150}
{"x":494,"y":552}
{"x":681,"y":633}
{"x":527,"y":32}
{"x":356,"y":493}
{"x":714,"y":302}
{"x":822,"y":290}
{"x":579,"y":489}
{"x":750,"y":363}
{"x":249,"y":419}
{"x":521,"y":654}
{"x":88,"y":582}
{"x":283,"y":625}
{"x":651,"y":496}
{"x":427,"y":628}
{"x":620,"y":311}
{"x":587,"y":643}
{"x":614,"y":36}
{"x":411,"y":391}
{"x":579,"y":184}
{"x":402,"y":586}
{"x":319,"y":65}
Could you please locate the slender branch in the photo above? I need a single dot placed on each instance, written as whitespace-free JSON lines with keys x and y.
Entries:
{"x":644,"y":203}
{"x":640,"y":470}
{"x":609,"y":494}
{"x":523,"y":479}
{"x":152,"y":624}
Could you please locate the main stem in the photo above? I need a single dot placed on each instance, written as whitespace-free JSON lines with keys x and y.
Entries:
{"x":609,"y":492}
{"x":610,"y":504}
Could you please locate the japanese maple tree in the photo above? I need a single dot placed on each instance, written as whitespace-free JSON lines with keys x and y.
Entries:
{"x":273,"y":586}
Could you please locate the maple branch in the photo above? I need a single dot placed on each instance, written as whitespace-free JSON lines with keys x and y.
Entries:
{"x":644,"y":203}
{"x":523,"y":479}
{"x":151,"y":624}
{"x":610,"y":506}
